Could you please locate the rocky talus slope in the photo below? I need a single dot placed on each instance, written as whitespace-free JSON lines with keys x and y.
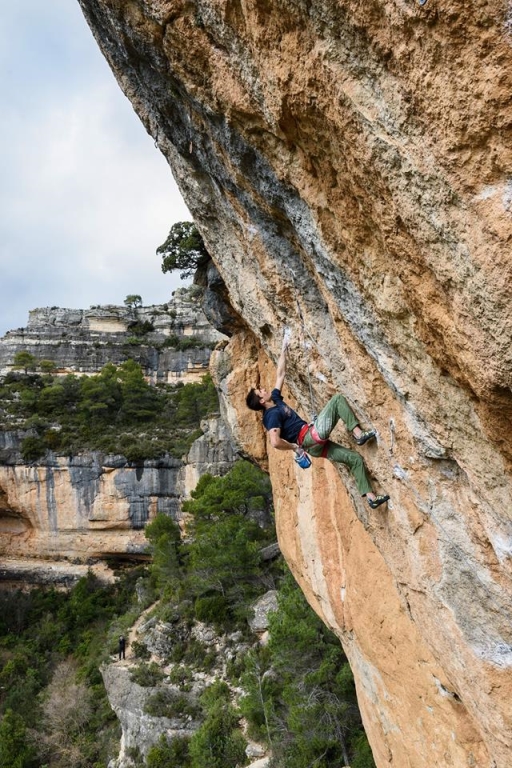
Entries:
{"x":181,"y":684}
{"x":348,"y":164}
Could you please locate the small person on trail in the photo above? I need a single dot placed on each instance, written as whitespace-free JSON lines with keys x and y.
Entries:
{"x":122,"y":647}
{"x":288,"y":432}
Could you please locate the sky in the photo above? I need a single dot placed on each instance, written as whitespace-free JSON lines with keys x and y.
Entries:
{"x":85,"y":197}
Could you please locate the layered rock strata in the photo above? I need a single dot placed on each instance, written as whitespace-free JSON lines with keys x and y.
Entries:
{"x":82,"y":341}
{"x":95,"y":505}
{"x":348,"y":165}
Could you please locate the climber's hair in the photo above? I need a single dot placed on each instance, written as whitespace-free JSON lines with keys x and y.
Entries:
{"x":253,"y":401}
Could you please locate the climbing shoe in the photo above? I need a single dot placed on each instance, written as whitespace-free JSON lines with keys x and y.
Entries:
{"x":377,"y":501}
{"x":365,"y":436}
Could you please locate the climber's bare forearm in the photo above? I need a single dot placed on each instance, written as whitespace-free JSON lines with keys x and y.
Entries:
{"x":277,"y":441}
{"x":281,"y":370}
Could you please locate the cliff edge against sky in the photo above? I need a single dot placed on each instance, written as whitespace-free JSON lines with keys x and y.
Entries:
{"x":348,"y":164}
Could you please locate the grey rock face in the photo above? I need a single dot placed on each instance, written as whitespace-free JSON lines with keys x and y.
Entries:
{"x":216,"y":304}
{"x":261,"y":609}
{"x":140,"y":730}
{"x":83,"y":341}
{"x":93,"y":504}
{"x":213,"y":452}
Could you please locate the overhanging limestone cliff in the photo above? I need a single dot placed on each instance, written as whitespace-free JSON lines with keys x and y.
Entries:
{"x":350,"y":162}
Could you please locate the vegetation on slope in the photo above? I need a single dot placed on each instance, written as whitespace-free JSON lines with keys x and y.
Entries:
{"x":53,"y":703}
{"x":299,"y":694}
{"x":115,"y":411}
{"x":298,"y":690}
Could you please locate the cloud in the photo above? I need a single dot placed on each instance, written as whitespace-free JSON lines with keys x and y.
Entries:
{"x":85,"y":197}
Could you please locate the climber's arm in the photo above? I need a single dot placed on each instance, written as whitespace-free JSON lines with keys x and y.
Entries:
{"x":281,"y":364}
{"x":276,"y":441}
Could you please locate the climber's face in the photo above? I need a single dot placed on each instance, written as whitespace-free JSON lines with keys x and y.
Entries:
{"x":263,"y":394}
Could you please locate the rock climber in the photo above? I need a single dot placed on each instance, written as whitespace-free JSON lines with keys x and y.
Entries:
{"x":289,"y":432}
{"x":122,"y":648}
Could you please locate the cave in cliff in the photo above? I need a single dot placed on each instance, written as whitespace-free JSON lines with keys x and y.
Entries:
{"x":348,"y":165}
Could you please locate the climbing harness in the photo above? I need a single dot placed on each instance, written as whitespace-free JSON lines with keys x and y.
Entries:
{"x":313,"y":433}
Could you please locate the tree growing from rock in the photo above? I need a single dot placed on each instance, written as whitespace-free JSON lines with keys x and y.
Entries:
{"x":25,"y":360}
{"x":133,"y":301}
{"x":184,"y":249}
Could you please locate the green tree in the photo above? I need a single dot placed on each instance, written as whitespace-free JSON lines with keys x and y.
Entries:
{"x":46,"y":366}
{"x":15,"y":751}
{"x":300,"y":692}
{"x":164,"y":535}
{"x":32,"y":448}
{"x":195,"y":401}
{"x":52,"y":399}
{"x":224,"y":557}
{"x":243,"y":489}
{"x":184,"y":249}
{"x":218,"y":743}
{"x":226,"y":538}
{"x":101,"y":395}
{"x":133,"y":301}
{"x":140,"y":400}
{"x":23,"y":359}
{"x":165,"y":754}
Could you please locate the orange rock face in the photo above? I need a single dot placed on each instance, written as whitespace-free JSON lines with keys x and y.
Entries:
{"x":348,"y":165}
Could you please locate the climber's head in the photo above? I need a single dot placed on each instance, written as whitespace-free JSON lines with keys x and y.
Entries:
{"x":257,"y":398}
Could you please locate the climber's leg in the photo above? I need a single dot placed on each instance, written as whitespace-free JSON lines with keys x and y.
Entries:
{"x":340,"y":455}
{"x":337,"y":408}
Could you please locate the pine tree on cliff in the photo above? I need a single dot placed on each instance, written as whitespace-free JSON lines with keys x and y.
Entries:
{"x":184,"y":249}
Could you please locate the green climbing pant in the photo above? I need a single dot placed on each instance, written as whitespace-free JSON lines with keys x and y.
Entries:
{"x":337,"y":408}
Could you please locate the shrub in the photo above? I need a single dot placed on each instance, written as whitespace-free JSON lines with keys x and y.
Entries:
{"x":160,"y":704}
{"x":218,"y":743}
{"x":181,"y":676}
{"x":141,"y":328}
{"x":32,"y":448}
{"x":166,"y":754}
{"x":166,"y":703}
{"x":15,"y":752}
{"x":140,"y":650}
{"x":212,"y":609}
{"x":147,"y":675}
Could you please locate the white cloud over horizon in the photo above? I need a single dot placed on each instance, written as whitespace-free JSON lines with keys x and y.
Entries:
{"x":85,"y":197}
